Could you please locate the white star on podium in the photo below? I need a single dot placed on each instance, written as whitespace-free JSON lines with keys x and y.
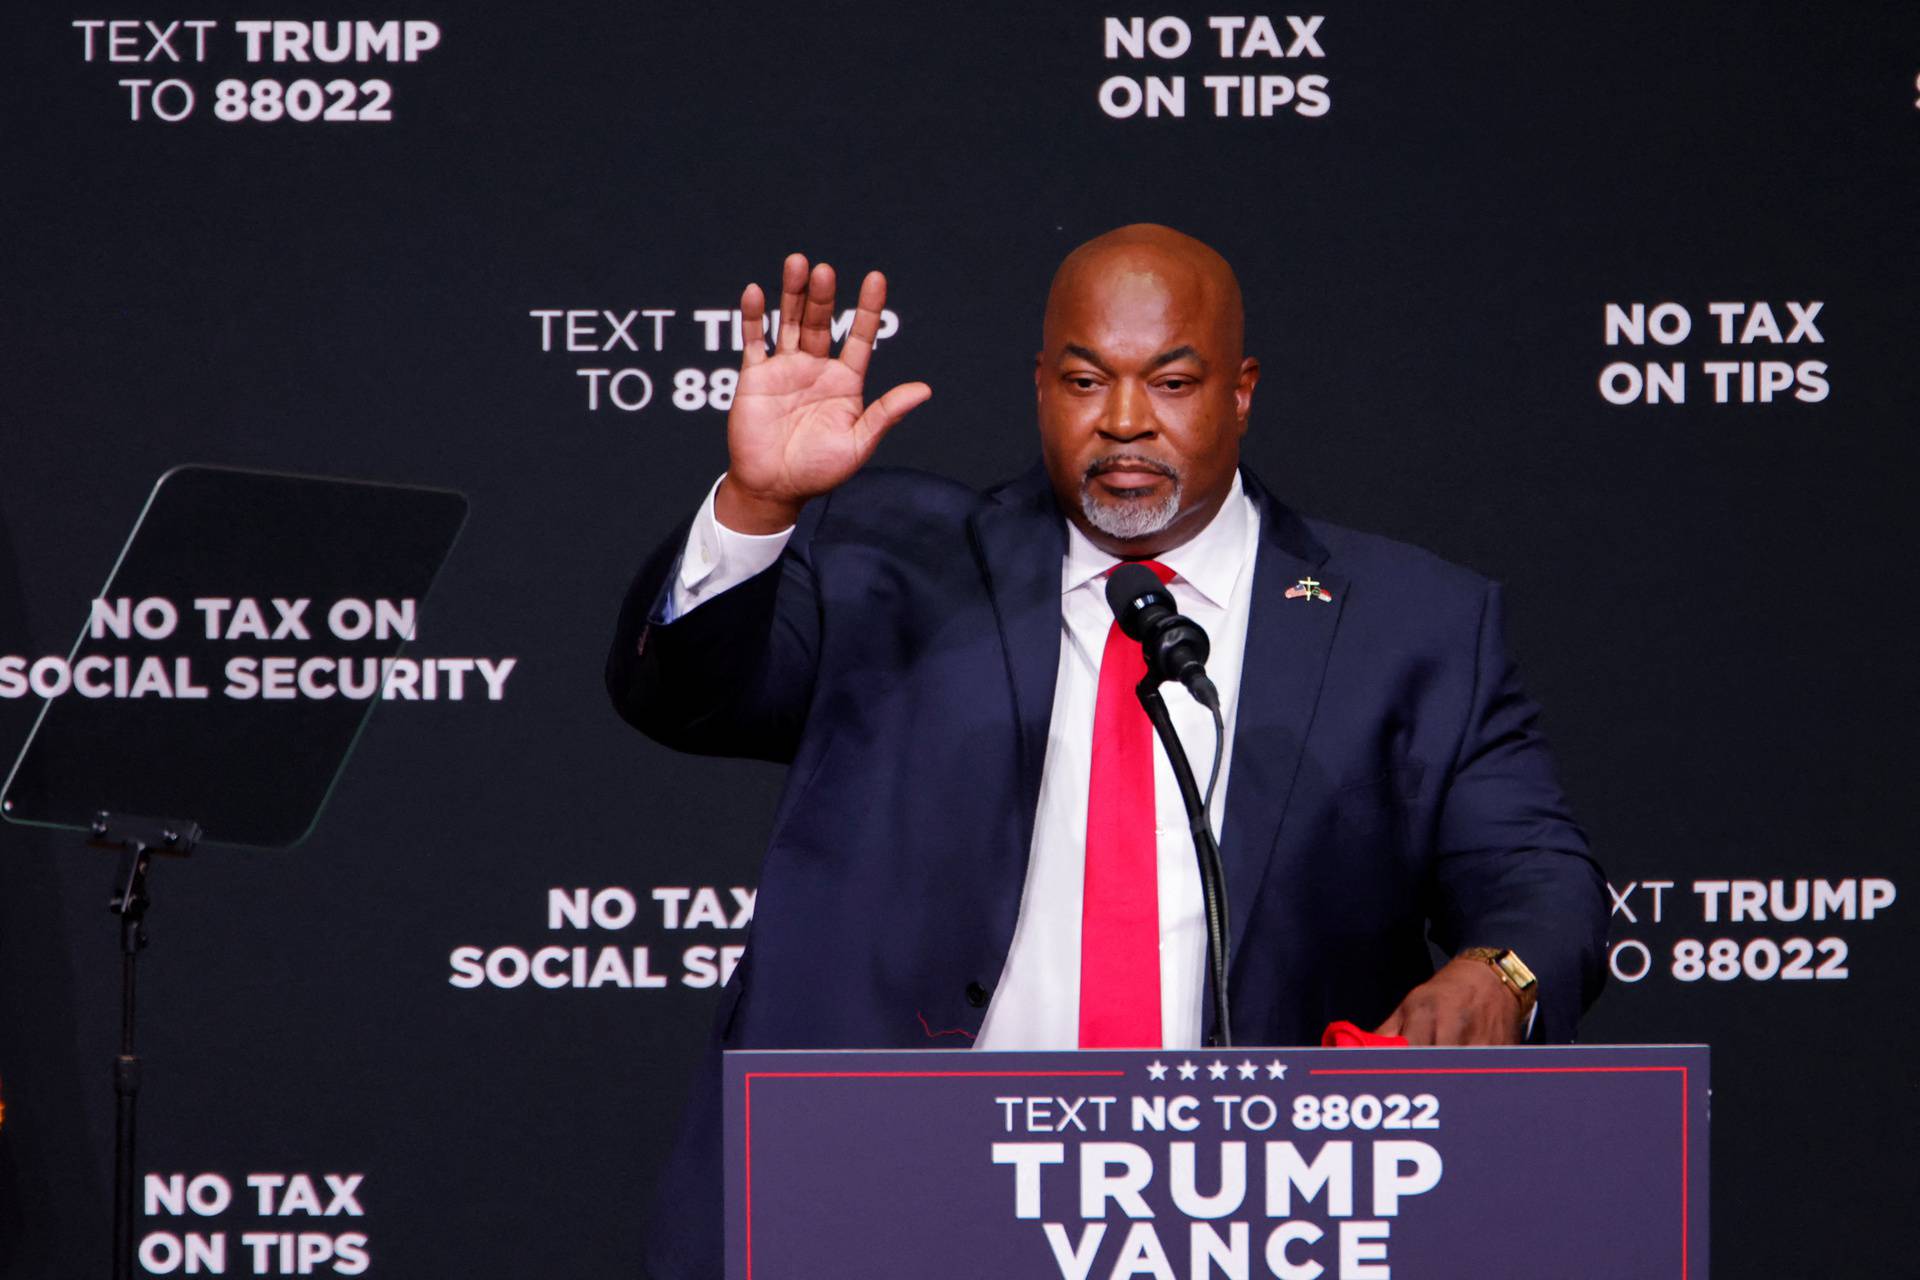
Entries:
{"x":1276,"y":1070}
{"x":1217,"y":1071}
{"x":1156,"y":1071}
{"x":1188,"y":1071}
{"x":1248,"y":1071}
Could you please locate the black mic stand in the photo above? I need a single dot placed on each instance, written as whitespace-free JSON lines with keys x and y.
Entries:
{"x":138,"y":839}
{"x":1213,"y":876}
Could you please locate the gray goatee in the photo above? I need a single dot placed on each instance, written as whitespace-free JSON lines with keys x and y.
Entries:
{"x":1127,"y":518}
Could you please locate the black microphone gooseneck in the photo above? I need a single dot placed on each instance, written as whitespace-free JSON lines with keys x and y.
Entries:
{"x":1176,"y":649}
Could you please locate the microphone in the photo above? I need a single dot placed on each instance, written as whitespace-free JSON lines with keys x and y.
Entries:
{"x":1175,"y":646}
{"x":1176,"y":649}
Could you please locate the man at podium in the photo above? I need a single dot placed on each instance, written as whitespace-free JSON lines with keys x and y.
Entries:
{"x":980,"y":842}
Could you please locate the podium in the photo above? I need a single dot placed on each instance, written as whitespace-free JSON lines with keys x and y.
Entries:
{"x":1341,"y":1164}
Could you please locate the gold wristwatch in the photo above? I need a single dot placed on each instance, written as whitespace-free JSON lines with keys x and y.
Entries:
{"x":1512,"y":971}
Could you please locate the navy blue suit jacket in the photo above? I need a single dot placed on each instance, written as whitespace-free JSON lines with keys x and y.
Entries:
{"x":1389,"y":781}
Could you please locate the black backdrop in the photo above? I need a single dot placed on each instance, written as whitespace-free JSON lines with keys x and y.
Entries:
{"x":1713,"y":600}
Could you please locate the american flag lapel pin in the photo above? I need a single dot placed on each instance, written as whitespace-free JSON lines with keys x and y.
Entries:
{"x":1309,"y":589}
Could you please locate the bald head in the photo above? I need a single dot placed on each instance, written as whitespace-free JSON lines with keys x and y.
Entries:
{"x":1146,"y":256}
{"x":1142,"y":387}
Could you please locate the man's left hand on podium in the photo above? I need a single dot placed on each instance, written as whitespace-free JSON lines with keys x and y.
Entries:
{"x":1464,"y":1003}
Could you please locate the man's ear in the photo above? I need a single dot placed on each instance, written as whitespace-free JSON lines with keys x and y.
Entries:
{"x":1243,"y":390}
{"x":1039,"y":359}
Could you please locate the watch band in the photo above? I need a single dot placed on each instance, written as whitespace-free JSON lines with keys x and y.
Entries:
{"x":1512,"y":972}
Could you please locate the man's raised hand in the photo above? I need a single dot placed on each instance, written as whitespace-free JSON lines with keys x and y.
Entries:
{"x":800,"y":425}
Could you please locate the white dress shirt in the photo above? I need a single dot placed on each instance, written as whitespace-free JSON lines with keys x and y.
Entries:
{"x":1037,"y":1002}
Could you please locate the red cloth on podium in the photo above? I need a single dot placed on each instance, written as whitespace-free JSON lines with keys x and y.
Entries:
{"x":1344,"y":1035}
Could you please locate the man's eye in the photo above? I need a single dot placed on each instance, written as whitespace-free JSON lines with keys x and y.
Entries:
{"x":1080,"y":382}
{"x":1176,"y":384}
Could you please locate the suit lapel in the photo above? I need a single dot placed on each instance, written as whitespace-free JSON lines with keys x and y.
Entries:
{"x":1288,"y":641}
{"x":1019,"y":539}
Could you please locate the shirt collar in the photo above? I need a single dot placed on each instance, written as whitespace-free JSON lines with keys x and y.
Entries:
{"x":1208,"y":562}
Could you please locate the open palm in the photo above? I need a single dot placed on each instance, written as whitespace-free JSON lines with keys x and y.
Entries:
{"x":800,"y":425}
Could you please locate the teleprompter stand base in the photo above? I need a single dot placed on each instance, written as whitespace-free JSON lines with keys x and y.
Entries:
{"x":137,"y":840}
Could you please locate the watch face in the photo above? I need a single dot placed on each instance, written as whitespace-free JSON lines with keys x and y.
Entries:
{"x":1515,"y":970}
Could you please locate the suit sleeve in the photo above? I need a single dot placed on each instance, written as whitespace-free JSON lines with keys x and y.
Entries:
{"x":732,"y":677}
{"x":1513,"y":867}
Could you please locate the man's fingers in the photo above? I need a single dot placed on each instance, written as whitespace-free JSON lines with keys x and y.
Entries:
{"x":1391,"y":1027}
{"x":1418,"y":1027}
{"x":889,"y":409}
{"x":858,"y":348}
{"x":753,"y":326}
{"x":816,"y":323}
{"x":793,"y":297}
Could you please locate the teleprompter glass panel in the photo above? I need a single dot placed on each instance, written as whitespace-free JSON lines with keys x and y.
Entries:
{"x":239,"y":646}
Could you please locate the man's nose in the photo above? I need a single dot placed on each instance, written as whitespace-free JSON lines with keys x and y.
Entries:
{"x":1129,"y":414}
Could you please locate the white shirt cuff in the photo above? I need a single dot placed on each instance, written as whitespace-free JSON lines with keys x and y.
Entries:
{"x":717,"y":558}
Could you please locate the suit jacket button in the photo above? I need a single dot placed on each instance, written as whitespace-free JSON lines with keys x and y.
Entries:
{"x":976,"y":995}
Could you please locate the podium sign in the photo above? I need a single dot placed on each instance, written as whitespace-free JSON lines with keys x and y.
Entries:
{"x":1346,"y":1164}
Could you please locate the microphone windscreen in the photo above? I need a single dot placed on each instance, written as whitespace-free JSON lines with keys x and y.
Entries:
{"x":1128,"y":587}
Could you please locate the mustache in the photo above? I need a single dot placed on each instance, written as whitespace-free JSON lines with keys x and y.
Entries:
{"x":1129,"y":462}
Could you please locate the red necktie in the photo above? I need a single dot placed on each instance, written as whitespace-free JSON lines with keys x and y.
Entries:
{"x":1120,"y":903}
